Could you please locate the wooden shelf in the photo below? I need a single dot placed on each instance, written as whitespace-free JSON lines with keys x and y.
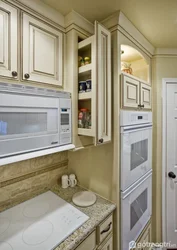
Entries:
{"x":85,"y":69}
{"x":85,"y":43}
{"x":85,"y":132}
{"x":85,"y":95}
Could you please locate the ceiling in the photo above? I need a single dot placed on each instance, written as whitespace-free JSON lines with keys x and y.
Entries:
{"x":155,"y":19}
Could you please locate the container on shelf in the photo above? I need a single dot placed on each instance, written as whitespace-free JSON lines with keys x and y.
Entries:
{"x":87,"y":60}
{"x":82,"y":86}
{"x":84,"y":118}
{"x":88,"y":85}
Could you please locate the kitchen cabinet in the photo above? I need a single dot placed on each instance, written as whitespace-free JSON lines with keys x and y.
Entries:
{"x":145,"y":238}
{"x":135,"y":94}
{"x":89,"y":243}
{"x":108,"y":245}
{"x":101,"y":238}
{"x":8,"y":41}
{"x":145,"y":93}
{"x":98,"y":99}
{"x":42,"y":52}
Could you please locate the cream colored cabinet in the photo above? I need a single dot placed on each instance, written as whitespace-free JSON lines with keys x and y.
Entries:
{"x":103,"y":67}
{"x":108,"y":245}
{"x":42,"y":52}
{"x":101,"y":238}
{"x":135,"y":93}
{"x":89,"y":243}
{"x":130,"y":92}
{"x":146,"y":96}
{"x":145,"y":239}
{"x":8,"y":41}
{"x":98,"y":99}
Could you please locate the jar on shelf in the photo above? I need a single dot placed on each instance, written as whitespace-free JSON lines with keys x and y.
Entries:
{"x":87,"y":60}
{"x":84,"y":118}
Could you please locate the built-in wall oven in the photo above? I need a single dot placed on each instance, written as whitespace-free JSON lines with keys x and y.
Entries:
{"x":136,"y":146}
{"x":136,"y":174}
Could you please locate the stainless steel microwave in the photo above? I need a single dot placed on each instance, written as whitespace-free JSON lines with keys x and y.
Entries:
{"x":33,"y":118}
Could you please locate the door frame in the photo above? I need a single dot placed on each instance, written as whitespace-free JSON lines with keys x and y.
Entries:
{"x":165,"y":81}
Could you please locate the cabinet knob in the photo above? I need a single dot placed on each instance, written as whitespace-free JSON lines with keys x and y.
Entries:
{"x":101,"y":140}
{"x":27,"y":76}
{"x":141,"y":106}
{"x":14,"y":73}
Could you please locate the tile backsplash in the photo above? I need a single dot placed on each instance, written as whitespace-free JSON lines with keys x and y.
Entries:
{"x":22,"y":180}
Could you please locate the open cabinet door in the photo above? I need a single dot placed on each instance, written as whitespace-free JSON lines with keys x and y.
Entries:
{"x":103,"y":82}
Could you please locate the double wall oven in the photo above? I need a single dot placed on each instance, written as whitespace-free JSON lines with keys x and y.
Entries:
{"x":136,"y":174}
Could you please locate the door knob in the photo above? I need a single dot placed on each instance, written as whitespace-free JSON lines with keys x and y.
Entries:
{"x":172,"y":175}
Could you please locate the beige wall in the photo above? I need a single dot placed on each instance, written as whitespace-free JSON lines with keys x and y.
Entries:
{"x":163,"y":67}
{"x":140,"y":69}
{"x":93,"y":167}
{"x":22,"y":180}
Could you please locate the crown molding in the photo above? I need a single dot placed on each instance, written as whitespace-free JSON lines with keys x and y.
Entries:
{"x":118,"y":21}
{"x":165,"y":52}
{"x":73,"y":19}
{"x":42,"y":10}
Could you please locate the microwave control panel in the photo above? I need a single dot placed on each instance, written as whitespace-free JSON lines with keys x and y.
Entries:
{"x":65,"y":121}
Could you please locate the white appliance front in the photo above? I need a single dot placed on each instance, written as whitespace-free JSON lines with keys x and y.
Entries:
{"x":41,"y":223}
{"x":32,"y":120}
{"x":136,"y":147}
{"x":136,"y":209}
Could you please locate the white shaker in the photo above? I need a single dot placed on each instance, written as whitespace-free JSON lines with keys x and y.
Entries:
{"x":65,"y":181}
{"x":73,"y":181}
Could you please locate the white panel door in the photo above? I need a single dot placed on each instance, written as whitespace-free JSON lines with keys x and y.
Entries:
{"x":146,"y":96}
{"x":42,"y":52}
{"x":130,"y":93}
{"x":171,"y":155}
{"x":103,"y":72}
{"x":8,"y":40}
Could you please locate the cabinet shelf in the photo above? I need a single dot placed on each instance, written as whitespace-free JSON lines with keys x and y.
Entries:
{"x":85,"y":132}
{"x":84,"y":70}
{"x":85,"y":95}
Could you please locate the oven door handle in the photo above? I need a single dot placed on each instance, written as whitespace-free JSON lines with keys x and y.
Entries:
{"x":130,"y":129}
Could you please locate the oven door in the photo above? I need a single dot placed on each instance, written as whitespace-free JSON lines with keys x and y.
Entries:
{"x":136,"y":153}
{"x":136,"y":210}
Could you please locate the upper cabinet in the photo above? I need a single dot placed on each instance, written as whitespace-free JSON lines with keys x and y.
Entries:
{"x":90,"y":85}
{"x":96,"y":98}
{"x":135,"y":93}
{"x":103,"y":70}
{"x":42,"y":52}
{"x":8,"y":41}
{"x":42,"y":55}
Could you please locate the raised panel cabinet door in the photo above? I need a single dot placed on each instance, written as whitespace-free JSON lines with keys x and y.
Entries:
{"x":42,"y":52}
{"x":146,"y":96}
{"x":8,"y":40}
{"x":103,"y":83}
{"x":130,"y":93}
{"x":108,"y":245}
{"x":89,"y":243}
{"x":145,"y":239}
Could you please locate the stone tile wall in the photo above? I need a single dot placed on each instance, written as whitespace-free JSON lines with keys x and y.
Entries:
{"x":23,"y":180}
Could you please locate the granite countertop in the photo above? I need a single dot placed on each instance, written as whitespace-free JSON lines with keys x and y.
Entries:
{"x":97,"y":213}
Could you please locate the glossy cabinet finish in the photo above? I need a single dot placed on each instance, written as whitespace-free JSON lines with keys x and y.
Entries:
{"x":8,"y":41}
{"x":42,"y":52}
